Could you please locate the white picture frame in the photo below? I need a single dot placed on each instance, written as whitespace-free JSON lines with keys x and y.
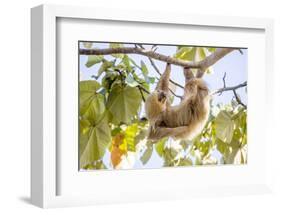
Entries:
{"x":45,"y":171}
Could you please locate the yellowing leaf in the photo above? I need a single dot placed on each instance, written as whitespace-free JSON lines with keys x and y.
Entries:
{"x":116,"y":156}
{"x":130,"y":135}
{"x":116,"y":152}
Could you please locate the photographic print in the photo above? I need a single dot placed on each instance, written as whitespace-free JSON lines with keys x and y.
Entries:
{"x":155,"y":105}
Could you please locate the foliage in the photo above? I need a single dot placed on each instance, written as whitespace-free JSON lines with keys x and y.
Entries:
{"x":110,"y":122}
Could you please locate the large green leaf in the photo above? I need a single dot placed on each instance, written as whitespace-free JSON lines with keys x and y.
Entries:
{"x":87,"y":90}
{"x":84,"y":127}
{"x":93,"y":59}
{"x":99,"y":138}
{"x":224,"y":126}
{"x":89,"y":86}
{"x":94,"y":110}
{"x":124,"y":103}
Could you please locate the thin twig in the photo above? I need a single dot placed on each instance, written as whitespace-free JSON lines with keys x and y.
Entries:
{"x":142,"y":96}
{"x":238,"y":99}
{"x":143,"y":89}
{"x":174,"y":94}
{"x":241,"y":52}
{"x":224,"y":84}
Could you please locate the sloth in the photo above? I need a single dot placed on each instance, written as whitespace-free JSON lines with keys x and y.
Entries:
{"x":183,"y":121}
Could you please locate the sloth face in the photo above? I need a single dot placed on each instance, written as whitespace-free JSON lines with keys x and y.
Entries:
{"x":162,"y":96}
{"x":197,"y":85}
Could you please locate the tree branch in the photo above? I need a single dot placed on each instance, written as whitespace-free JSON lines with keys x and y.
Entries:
{"x":203,"y":65}
{"x":214,"y":57}
{"x":233,"y":89}
{"x":224,"y":89}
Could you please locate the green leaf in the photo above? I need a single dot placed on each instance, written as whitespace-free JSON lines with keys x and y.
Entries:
{"x":94,"y":110}
{"x":186,"y":143}
{"x":133,"y":62}
{"x":160,"y":146}
{"x":185,"y":162}
{"x":115,"y":131}
{"x":211,"y":49}
{"x":197,"y":156}
{"x":146,"y":155}
{"x":131,"y":81}
{"x":202,"y":53}
{"x":99,"y":138}
{"x":87,"y":90}
{"x":224,"y":126}
{"x":141,"y":135}
{"x":89,"y":86}
{"x":84,"y":127}
{"x":149,"y":80}
{"x":105,"y":65}
{"x":144,"y":69}
{"x":87,"y":44}
{"x":185,"y":53}
{"x":93,"y":59}
{"x":124,"y":103}
{"x":222,"y":147}
{"x":126,"y":61}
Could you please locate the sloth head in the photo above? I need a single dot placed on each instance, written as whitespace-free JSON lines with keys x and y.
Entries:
{"x":162,"y":96}
{"x":197,"y":86}
{"x":155,"y":104}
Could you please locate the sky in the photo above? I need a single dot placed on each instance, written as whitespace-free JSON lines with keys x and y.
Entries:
{"x":234,"y":65}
